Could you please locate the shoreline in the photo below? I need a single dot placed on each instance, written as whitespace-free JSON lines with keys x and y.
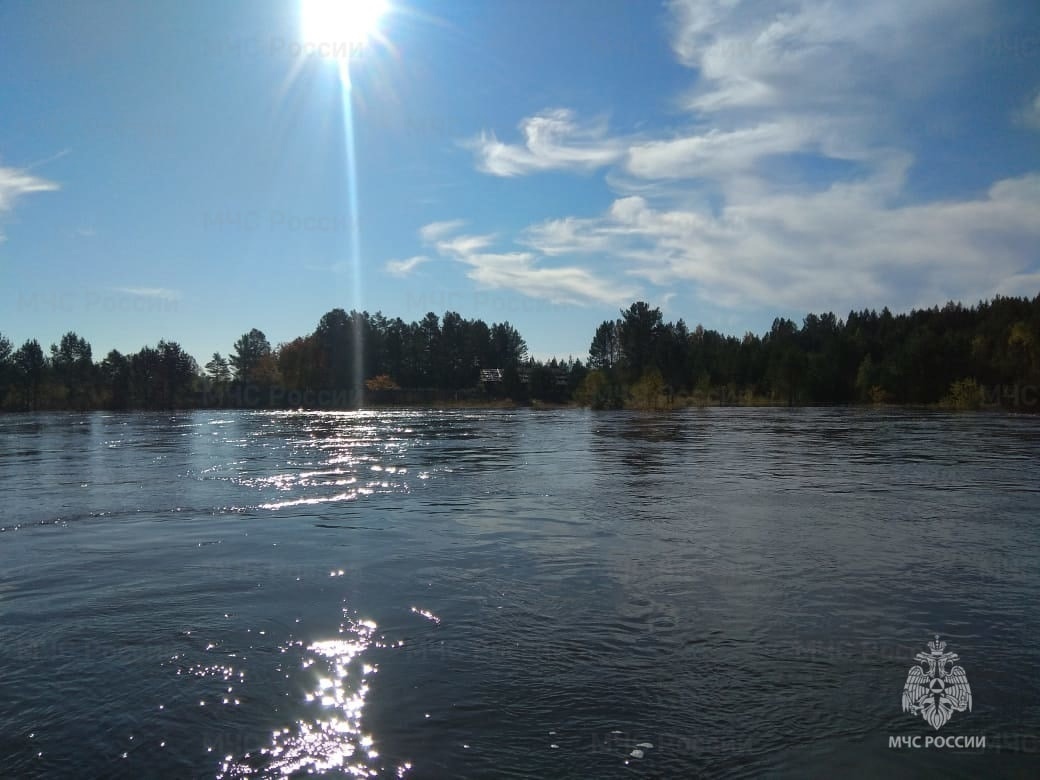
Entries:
{"x":536,"y":406}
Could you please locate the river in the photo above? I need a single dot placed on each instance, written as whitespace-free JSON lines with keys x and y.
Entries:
{"x":515,"y":593}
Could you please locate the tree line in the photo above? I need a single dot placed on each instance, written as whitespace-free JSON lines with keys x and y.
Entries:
{"x":438,"y":357}
{"x":987,"y":354}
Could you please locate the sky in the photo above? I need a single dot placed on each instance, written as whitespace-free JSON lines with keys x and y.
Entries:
{"x":192,"y":170}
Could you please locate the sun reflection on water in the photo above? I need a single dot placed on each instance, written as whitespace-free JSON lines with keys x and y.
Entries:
{"x":333,"y":738}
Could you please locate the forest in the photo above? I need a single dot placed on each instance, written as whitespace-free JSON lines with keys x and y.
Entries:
{"x":986,"y":355}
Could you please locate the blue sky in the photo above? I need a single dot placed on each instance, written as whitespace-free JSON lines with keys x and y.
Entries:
{"x":179,"y":170}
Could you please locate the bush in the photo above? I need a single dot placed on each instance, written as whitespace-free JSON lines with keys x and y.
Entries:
{"x":599,"y":391}
{"x":964,"y":394}
{"x":648,"y":392}
{"x":381,"y":382}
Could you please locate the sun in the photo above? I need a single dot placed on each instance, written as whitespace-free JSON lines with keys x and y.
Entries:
{"x":346,"y":24}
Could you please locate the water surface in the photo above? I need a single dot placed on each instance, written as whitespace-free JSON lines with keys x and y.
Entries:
{"x":717,"y":592}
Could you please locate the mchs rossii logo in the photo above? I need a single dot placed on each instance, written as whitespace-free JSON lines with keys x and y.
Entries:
{"x":935,"y":689}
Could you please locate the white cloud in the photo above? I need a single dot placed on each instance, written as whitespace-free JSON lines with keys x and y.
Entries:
{"x":721,"y":206}
{"x":839,"y":56}
{"x":464,"y":245}
{"x":568,"y":236}
{"x":838,"y":249}
{"x":405,"y":267}
{"x":518,"y":271}
{"x":553,"y":140}
{"x":825,"y":78}
{"x":1029,"y":115}
{"x":15,"y":183}
{"x":435,"y":230}
{"x":522,"y":272}
{"x":715,"y":152}
{"x":159,"y":293}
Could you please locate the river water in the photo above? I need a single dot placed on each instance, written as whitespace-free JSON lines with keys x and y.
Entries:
{"x":716,"y":593}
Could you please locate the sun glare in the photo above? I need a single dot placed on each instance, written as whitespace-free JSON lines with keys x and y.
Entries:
{"x":328,"y":24}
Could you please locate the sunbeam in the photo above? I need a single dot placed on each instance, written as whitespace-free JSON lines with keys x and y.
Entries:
{"x":355,"y":228}
{"x":339,"y":31}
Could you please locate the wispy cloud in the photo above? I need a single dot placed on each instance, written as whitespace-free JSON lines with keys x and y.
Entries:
{"x":16,"y":183}
{"x":820,"y":56}
{"x":525,"y":273}
{"x":1029,"y":114}
{"x":553,"y":140}
{"x":520,"y":272}
{"x":701,"y":207}
{"x":716,"y":152}
{"x":839,"y":248}
{"x":435,"y":230}
{"x":405,"y":267}
{"x":159,"y":293}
